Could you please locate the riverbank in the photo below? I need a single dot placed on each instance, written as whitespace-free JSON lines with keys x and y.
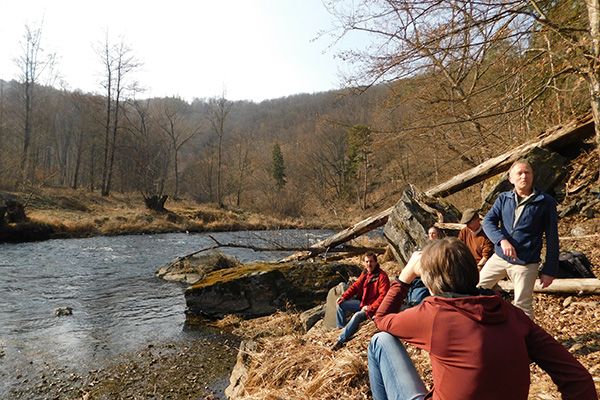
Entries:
{"x":66,"y":213}
{"x":183,"y":369}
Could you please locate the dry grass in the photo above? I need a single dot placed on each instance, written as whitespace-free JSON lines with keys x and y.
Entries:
{"x":289,"y":364}
{"x":77,"y":213}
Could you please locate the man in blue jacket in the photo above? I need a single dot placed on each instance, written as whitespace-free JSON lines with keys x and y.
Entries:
{"x":516,"y":224}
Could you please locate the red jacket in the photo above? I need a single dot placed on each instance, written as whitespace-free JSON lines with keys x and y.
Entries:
{"x":481,"y":347}
{"x":371,"y":288}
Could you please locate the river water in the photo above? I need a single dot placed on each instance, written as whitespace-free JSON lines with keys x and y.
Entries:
{"x":118,"y":304}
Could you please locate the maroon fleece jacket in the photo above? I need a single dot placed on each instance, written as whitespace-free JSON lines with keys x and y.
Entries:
{"x":481,"y":347}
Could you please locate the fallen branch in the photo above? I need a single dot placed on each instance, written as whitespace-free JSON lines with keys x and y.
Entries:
{"x":579,"y":237}
{"x":347,"y":250}
{"x":553,"y":138}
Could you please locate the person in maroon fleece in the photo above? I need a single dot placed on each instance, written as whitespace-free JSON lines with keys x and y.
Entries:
{"x":480,"y":346}
{"x":371,"y":286}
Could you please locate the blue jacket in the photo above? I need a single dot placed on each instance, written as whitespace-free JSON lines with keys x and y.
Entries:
{"x":539,"y":216}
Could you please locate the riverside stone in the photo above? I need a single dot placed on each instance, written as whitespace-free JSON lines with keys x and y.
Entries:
{"x":259,"y":289}
{"x":411,"y":217}
{"x":191,"y":269}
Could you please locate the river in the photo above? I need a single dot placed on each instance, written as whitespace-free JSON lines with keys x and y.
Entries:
{"x":118,"y":304}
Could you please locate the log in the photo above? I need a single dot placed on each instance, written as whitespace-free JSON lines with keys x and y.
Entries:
{"x":554,"y":138}
{"x":562,"y":286}
{"x":347,"y":234}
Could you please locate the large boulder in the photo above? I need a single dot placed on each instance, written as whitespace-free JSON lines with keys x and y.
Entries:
{"x":259,"y":289}
{"x":407,"y":225}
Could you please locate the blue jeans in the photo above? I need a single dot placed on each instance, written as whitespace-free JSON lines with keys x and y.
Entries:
{"x":392,"y":374}
{"x":352,"y":326}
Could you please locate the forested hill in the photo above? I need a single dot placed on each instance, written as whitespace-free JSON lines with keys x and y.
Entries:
{"x":324,"y":153}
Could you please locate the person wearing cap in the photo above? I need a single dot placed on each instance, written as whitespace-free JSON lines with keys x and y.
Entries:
{"x":479,"y":345}
{"x":516,"y":224}
{"x":473,"y":236}
{"x":371,"y":286}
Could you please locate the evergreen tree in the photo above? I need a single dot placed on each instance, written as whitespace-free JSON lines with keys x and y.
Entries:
{"x":278,"y":167}
{"x":359,"y":149}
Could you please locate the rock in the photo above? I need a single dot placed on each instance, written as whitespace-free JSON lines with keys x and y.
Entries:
{"x":260,"y":289}
{"x":63,"y":311}
{"x":194,"y":268}
{"x":407,"y":225}
{"x":329,"y":321}
{"x":578,"y":231}
{"x":310,"y":317}
{"x":550,"y":173}
{"x":239,"y":373}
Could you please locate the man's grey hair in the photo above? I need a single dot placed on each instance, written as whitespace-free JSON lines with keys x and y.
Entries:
{"x":521,"y":161}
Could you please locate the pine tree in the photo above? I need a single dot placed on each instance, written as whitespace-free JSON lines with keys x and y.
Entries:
{"x":278,"y":167}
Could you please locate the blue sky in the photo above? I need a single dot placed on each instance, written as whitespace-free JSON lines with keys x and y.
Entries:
{"x":254,"y":49}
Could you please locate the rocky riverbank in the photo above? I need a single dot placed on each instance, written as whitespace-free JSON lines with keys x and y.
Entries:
{"x":185,"y":369}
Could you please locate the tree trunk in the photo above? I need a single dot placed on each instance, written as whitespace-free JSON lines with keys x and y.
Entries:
{"x":556,"y":137}
{"x":350,"y":233}
{"x":27,"y":131}
{"x":593,"y":8}
{"x":573,"y":286}
{"x":219,"y":194}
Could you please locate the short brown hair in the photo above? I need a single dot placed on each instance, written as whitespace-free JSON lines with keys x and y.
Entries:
{"x":447,"y":265}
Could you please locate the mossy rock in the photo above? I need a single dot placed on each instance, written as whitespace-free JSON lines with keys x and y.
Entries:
{"x":259,"y":289}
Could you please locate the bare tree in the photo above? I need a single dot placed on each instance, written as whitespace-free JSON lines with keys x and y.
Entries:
{"x":119,"y":63}
{"x":32,"y":64}
{"x":179,"y":129}
{"x":219,"y":109}
{"x":483,"y":57}
{"x":149,"y":157}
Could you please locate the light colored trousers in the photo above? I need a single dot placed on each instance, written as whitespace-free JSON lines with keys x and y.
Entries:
{"x":523,"y":278}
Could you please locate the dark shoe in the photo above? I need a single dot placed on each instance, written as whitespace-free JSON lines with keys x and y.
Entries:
{"x":337,"y":346}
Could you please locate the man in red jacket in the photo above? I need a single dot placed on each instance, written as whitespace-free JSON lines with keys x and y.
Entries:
{"x":371,"y":286}
{"x":480,"y":346}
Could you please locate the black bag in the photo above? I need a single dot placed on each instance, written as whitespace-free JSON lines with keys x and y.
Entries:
{"x":574,"y":264}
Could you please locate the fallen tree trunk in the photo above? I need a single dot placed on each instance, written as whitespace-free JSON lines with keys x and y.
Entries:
{"x":562,"y":286}
{"x":347,"y":234}
{"x":554,"y":138}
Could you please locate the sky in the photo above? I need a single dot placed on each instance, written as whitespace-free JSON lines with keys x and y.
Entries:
{"x":248,"y":49}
